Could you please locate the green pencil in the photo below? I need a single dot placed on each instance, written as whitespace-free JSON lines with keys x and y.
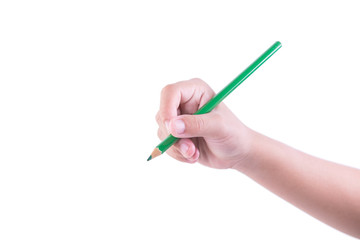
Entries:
{"x":212,"y":103}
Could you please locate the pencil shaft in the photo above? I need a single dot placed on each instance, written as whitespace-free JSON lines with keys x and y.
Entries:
{"x":212,"y":103}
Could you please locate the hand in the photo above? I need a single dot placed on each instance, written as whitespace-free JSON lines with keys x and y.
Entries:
{"x":217,"y":139}
{"x":325,"y":190}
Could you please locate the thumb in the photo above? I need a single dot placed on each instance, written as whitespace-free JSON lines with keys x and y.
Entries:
{"x":204,"y":125}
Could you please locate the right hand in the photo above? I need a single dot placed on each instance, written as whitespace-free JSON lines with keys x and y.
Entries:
{"x":217,"y":139}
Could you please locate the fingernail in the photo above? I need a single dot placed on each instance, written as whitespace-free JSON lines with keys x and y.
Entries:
{"x":184,"y":148}
{"x":179,"y":126}
{"x":167,"y":125}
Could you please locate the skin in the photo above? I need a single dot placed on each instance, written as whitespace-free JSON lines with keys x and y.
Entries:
{"x":328,"y":191}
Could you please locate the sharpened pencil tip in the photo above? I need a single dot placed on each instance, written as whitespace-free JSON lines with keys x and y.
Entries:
{"x":154,"y":154}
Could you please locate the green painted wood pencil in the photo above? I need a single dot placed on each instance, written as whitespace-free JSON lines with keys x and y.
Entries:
{"x":212,"y":103}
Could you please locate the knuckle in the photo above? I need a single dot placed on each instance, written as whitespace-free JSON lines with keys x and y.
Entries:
{"x":167,"y":89}
{"x":197,"y":80}
{"x":200,"y":124}
{"x":202,"y":84}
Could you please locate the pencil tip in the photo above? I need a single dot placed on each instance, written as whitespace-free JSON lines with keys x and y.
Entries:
{"x":154,"y":154}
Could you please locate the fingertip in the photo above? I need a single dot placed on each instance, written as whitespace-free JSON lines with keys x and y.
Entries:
{"x":176,"y":127}
{"x":195,"y":156}
{"x":186,"y":147}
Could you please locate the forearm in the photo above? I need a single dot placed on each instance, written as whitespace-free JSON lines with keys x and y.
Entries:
{"x":328,"y":191}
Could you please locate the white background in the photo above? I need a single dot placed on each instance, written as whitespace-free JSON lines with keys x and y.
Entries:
{"x":79,"y":90}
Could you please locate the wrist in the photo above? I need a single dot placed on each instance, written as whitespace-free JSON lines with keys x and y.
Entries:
{"x":247,"y":160}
